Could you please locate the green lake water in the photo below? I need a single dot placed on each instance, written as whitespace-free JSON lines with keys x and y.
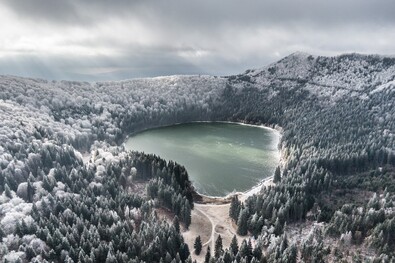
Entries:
{"x":219,"y":157}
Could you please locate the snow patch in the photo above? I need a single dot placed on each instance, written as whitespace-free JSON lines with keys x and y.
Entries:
{"x":383,"y":87}
{"x":14,"y":256}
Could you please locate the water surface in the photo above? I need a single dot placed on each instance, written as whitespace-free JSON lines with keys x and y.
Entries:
{"x":219,"y":157}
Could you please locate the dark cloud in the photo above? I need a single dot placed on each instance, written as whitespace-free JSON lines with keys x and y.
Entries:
{"x":44,"y":10}
{"x":195,"y":14}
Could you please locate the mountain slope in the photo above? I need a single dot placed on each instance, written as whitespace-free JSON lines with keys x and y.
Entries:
{"x":337,"y":116}
{"x":338,"y":119}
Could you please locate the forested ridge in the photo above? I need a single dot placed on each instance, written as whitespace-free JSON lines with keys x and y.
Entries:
{"x":337,"y":118}
{"x":337,"y":115}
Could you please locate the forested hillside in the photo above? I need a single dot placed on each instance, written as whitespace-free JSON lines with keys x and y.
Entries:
{"x":337,"y":116}
{"x":55,"y":207}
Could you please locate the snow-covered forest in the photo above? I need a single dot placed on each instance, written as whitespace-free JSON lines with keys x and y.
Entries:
{"x":70,"y":191}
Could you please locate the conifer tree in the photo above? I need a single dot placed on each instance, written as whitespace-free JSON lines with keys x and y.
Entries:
{"x":249,"y":247}
{"x":277,"y":175}
{"x":278,"y":228}
{"x":218,"y":247}
{"x":47,"y":184}
{"x":7,"y":191}
{"x":176,"y":224}
{"x":227,"y":258}
{"x":30,"y":188}
{"x":187,"y":214}
{"x":257,"y":252}
{"x":234,"y":247}
{"x":244,"y":249}
{"x":198,"y":245}
{"x":242,"y":222}
{"x":1,"y":234}
{"x":208,"y":255}
{"x":234,"y":209}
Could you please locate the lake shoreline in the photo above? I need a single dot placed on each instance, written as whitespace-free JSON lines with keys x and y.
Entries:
{"x":201,"y":198}
{"x":277,"y":129}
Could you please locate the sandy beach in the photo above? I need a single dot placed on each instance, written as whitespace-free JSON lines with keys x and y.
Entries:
{"x":210,"y":218}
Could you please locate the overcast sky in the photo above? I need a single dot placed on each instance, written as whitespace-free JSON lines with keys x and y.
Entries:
{"x":103,"y":39}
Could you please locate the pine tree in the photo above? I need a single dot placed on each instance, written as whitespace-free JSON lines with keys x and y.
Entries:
{"x":1,"y":234}
{"x":184,"y":251}
{"x":111,"y":258}
{"x":284,"y":243}
{"x":168,"y":257}
{"x":227,"y":258}
{"x":292,"y":254}
{"x":18,"y":229}
{"x":208,"y":255}
{"x":7,"y":191}
{"x":277,"y":175}
{"x":47,"y":184}
{"x":234,"y":209}
{"x":218,"y":247}
{"x":198,"y":245}
{"x":249,"y":247}
{"x":234,"y":247}
{"x":30,"y":188}
{"x":92,"y":256}
{"x":81,"y":256}
{"x":244,"y":249}
{"x":278,"y":228}
{"x":178,"y":258}
{"x":242,"y":222}
{"x":257,"y":252}
{"x":187,"y":214}
{"x":176,"y":224}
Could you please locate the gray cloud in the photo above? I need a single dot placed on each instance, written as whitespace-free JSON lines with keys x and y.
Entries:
{"x":44,"y":10}
{"x":98,"y":68}
{"x":121,"y":39}
{"x":203,"y":13}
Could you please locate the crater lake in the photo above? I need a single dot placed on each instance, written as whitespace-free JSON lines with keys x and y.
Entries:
{"x":220,"y":157}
